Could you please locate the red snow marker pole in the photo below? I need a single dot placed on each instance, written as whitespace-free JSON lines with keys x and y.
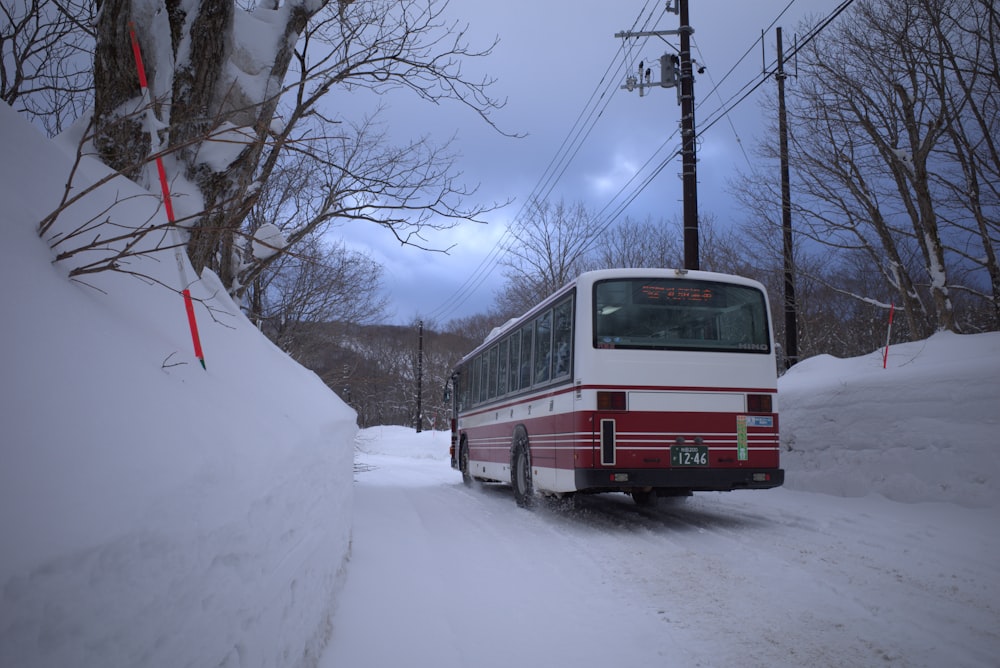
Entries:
{"x":885,"y":355}
{"x":165,"y":188}
{"x":189,"y":306}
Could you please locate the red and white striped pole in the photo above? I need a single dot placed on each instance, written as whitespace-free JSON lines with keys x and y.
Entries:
{"x":164,"y":186}
{"x":885,"y":355}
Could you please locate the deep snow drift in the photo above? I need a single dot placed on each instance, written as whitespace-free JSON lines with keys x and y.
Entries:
{"x":925,"y":428}
{"x":152,"y":513}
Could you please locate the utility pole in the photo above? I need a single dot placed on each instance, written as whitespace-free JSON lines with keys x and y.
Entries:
{"x":689,"y":158}
{"x":677,"y":71}
{"x":791,"y":324}
{"x":420,"y":378}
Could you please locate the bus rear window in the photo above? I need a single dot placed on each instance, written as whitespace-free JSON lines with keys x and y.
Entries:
{"x":680,"y":314}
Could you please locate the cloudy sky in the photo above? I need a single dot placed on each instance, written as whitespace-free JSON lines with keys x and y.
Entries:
{"x":560,"y":68}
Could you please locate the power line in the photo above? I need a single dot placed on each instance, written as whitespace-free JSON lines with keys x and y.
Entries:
{"x":580,"y":131}
{"x":577,"y":135}
{"x":752,"y":86}
{"x":489,"y":263}
{"x":715,"y":89}
{"x":748,"y":88}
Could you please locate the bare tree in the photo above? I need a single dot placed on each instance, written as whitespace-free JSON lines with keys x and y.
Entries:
{"x":319,"y":283}
{"x":478,"y":326}
{"x":966,"y":39}
{"x":832,"y":316}
{"x":46,"y":49}
{"x":219,"y":83}
{"x":551,"y":247}
{"x":650,"y":243}
{"x":645,"y":243}
{"x":870,"y":118}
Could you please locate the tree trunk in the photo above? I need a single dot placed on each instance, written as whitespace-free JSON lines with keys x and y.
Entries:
{"x":203,"y":100}
{"x":120,"y":137}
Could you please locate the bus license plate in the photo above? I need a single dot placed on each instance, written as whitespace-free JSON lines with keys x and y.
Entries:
{"x":689,"y":455}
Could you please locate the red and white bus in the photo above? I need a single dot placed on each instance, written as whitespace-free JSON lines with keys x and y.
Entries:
{"x":652,"y":382}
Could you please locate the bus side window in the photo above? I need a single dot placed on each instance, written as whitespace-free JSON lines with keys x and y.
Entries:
{"x":543,"y":347}
{"x":484,"y":369}
{"x":474,"y":384}
{"x":562,"y":338}
{"x":515,"y":361}
{"x":502,"y":369}
{"x":526,"y":348}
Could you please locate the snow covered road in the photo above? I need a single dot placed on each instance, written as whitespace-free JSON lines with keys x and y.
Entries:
{"x":451,"y":576}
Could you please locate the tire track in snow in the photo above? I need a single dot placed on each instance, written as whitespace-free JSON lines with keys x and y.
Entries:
{"x":776,"y":578}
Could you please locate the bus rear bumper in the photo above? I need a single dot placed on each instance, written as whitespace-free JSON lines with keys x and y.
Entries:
{"x":689,"y":479}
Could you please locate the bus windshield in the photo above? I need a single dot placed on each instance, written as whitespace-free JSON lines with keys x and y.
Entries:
{"x":680,"y":314}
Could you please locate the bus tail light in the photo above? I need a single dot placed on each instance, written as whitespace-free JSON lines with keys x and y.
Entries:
{"x":610,"y":401}
{"x":759,"y":403}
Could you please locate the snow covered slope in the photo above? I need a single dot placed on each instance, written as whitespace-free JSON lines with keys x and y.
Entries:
{"x":152,"y":513}
{"x":925,"y":428}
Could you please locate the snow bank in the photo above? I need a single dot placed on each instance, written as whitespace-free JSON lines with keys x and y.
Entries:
{"x":404,"y":442}
{"x":922,"y":429}
{"x":153,"y":513}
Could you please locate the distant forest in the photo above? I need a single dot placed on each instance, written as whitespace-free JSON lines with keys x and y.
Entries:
{"x":374,"y":369}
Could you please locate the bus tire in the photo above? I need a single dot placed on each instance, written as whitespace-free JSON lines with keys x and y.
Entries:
{"x":520,"y":471}
{"x":463,"y":462}
{"x":645,"y":498}
{"x":676,"y":496}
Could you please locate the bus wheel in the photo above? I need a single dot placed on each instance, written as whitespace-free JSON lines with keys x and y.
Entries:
{"x":463,"y":462}
{"x":520,"y":472}
{"x":645,"y":498}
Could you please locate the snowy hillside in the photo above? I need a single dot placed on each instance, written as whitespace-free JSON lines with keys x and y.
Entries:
{"x":152,"y":513}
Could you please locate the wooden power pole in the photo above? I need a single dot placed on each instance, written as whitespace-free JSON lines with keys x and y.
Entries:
{"x":683,"y":80}
{"x":420,"y":378}
{"x":689,"y":157}
{"x":791,"y":324}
